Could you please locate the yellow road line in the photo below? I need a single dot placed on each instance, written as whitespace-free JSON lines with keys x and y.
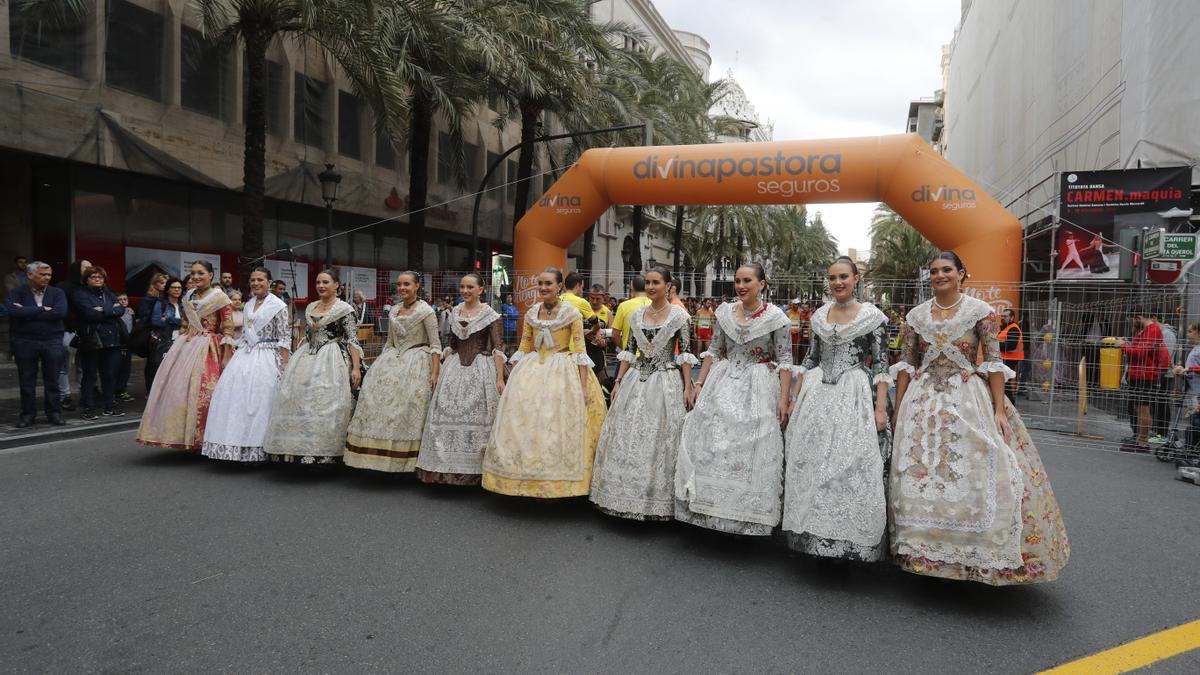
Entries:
{"x":1137,"y":654}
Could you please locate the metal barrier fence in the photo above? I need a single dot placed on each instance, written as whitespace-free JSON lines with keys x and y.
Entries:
{"x":1072,"y":378}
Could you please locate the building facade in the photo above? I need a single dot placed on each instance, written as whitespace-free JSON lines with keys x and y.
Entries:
{"x":1036,"y":90}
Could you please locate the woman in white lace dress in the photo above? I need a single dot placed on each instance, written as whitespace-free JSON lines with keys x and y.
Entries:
{"x":834,"y":502}
{"x":970,"y":498}
{"x":389,"y":420}
{"x":245,"y":394}
{"x":634,"y":476}
{"x":315,"y":400}
{"x":468,"y":390}
{"x":729,"y":475}
{"x":550,"y":415}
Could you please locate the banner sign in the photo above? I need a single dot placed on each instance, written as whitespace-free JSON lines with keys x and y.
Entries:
{"x":294,"y":274}
{"x":143,"y":263}
{"x":358,"y":279}
{"x":1094,"y":197}
{"x":1101,"y":212}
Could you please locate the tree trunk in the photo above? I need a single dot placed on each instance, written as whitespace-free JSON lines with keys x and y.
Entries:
{"x":254,"y":159}
{"x":636,"y":261}
{"x":418,"y":179}
{"x":529,"y":115}
{"x":589,"y":240}
{"x":677,"y":268}
{"x":720,"y":247}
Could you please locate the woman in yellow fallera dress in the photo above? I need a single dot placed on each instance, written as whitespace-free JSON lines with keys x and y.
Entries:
{"x":550,"y":415}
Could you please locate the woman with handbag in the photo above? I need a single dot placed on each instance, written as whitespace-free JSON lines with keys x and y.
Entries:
{"x":177,"y":410}
{"x":98,"y":340}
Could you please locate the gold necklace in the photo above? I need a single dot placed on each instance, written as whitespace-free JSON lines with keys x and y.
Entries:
{"x":946,"y":310}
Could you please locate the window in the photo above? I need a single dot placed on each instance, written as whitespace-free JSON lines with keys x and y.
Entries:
{"x":133,"y":51}
{"x":471,"y":160}
{"x":385,"y":153}
{"x":510,"y":191}
{"x":201,"y":73}
{"x":309,"y":110}
{"x":59,"y":47}
{"x":273,"y":93}
{"x":497,"y":177}
{"x":445,"y":161}
{"x":349,"y":126}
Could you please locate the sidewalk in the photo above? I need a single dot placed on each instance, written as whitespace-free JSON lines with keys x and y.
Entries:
{"x":43,"y":432}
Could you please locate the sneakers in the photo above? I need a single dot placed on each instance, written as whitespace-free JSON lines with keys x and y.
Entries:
{"x":89,"y":415}
{"x":114,"y":413}
{"x":67,"y":405}
{"x":1158,"y":439}
{"x":125,"y":397}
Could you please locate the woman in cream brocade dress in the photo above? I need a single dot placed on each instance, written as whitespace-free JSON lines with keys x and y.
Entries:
{"x":548,"y":421}
{"x":385,"y":434}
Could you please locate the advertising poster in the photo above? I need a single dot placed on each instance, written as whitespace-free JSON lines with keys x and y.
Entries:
{"x":1100,"y":212}
{"x":359,"y":279}
{"x":294,"y":274}
{"x":143,"y":263}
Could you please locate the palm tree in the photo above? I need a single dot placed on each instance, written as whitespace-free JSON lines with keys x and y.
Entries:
{"x":550,"y":66}
{"x":898,"y":251}
{"x":347,"y":30}
{"x":441,"y":49}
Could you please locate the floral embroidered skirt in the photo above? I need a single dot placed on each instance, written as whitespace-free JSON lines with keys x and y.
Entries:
{"x":634,"y":476}
{"x":965,"y":505}
{"x":460,"y":419}
{"x":385,"y":432}
{"x":308,"y":425}
{"x":834,"y":487}
{"x":729,"y":475}
{"x":177,"y":409}
{"x":544,"y":438}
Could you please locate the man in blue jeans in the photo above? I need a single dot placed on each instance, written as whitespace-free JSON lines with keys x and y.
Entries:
{"x":37,"y":310}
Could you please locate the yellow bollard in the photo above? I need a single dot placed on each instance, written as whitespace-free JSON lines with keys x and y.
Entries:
{"x":1110,"y":364}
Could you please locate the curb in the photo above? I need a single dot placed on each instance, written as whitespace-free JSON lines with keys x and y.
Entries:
{"x":67,"y":433}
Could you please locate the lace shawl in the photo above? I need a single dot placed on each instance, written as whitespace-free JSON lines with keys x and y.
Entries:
{"x":651,"y":348}
{"x":544,"y":328}
{"x":769,"y":321}
{"x":486,"y":316}
{"x":258,"y":315}
{"x":941,"y":335}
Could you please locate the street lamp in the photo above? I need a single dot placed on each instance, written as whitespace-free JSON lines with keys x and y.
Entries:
{"x":329,"y":189}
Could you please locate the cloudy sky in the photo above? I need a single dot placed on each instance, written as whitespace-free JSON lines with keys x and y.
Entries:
{"x":821,"y":69}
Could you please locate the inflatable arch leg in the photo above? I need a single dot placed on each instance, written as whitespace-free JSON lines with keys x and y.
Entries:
{"x":902,"y":171}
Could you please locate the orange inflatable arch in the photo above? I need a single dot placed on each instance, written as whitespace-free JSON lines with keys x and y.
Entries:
{"x":902,"y":171}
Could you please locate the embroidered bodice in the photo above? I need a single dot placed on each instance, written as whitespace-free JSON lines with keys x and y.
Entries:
{"x":337,"y":326}
{"x":266,"y":325}
{"x":481,"y":334}
{"x":764,"y":340}
{"x":837,"y":348}
{"x":546,"y":337}
{"x":417,"y":329}
{"x":953,"y":344}
{"x":654,"y":347}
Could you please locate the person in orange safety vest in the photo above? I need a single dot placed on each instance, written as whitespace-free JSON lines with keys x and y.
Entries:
{"x":1012,"y":348}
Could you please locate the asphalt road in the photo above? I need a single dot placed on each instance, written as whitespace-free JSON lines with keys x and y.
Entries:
{"x":116,"y":557}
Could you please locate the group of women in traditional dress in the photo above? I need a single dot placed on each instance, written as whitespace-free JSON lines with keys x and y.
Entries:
{"x":751,"y":443}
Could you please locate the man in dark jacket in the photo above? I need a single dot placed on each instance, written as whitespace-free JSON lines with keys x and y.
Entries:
{"x":73,"y":283}
{"x":37,"y":310}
